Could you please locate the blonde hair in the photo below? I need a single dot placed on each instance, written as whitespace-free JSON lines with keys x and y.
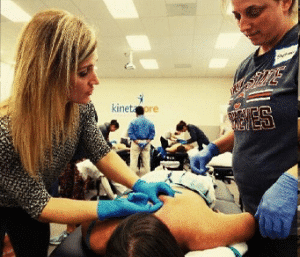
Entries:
{"x":51,"y":47}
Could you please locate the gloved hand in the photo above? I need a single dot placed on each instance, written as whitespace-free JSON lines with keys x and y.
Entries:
{"x":278,"y":208}
{"x":199,"y":161}
{"x":122,"y":207}
{"x":153,"y":189}
{"x":142,"y":145}
{"x":184,"y":142}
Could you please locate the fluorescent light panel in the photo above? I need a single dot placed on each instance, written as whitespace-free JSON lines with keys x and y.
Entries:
{"x":149,"y":64}
{"x":217,"y":63}
{"x":13,"y":12}
{"x":227,"y":40}
{"x":121,"y":9}
{"x":138,"y":43}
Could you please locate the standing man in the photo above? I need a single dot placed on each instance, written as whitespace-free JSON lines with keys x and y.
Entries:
{"x":141,"y":131}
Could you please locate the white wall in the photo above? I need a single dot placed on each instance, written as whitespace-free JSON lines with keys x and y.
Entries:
{"x":195,"y":100}
{"x":6,"y":80}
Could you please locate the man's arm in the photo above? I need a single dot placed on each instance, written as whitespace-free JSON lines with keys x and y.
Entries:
{"x":131,"y":134}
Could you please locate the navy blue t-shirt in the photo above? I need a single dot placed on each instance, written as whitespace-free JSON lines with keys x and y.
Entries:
{"x":263,"y":114}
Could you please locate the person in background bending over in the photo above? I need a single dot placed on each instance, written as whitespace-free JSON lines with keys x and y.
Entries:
{"x":196,"y":134}
{"x":49,"y":113}
{"x":107,"y":127}
{"x":141,"y":132}
{"x":263,"y":115}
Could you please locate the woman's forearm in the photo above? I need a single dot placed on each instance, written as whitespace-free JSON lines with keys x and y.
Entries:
{"x":236,"y":228}
{"x":225,"y":143}
{"x":69,"y":211}
{"x":114,"y":168}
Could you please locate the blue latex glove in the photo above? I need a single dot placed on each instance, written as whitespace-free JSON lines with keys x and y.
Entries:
{"x":122,"y":207}
{"x":184,"y":142}
{"x":153,"y":189}
{"x":278,"y":208}
{"x":199,"y":161}
{"x":142,"y":145}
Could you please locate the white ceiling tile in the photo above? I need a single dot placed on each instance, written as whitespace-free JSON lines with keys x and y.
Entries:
{"x":182,"y":25}
{"x":208,"y":7}
{"x":153,"y":8}
{"x":131,"y":27}
{"x":66,"y":5}
{"x":208,"y":24}
{"x":32,"y":6}
{"x":177,"y":40}
{"x":156,"y":26}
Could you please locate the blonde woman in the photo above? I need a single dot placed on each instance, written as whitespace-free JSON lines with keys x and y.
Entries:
{"x":49,"y":111}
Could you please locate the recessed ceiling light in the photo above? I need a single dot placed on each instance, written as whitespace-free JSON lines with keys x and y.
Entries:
{"x":121,"y":9}
{"x":13,"y":12}
{"x":138,"y":43}
{"x":149,"y":64}
{"x":217,"y":63}
{"x":228,"y":40}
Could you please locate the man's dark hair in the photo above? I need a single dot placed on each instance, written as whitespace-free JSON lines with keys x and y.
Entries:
{"x":180,"y":125}
{"x":115,"y":123}
{"x":139,"y":110}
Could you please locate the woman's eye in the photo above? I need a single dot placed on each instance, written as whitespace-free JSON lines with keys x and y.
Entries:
{"x":253,"y":12}
{"x":237,"y":16}
{"x":82,"y":73}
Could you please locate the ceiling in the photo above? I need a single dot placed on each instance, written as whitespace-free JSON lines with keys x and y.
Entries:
{"x":182,"y":35}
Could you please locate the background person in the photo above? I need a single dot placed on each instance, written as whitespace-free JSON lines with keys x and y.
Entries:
{"x":107,"y":127}
{"x":196,"y":134}
{"x":49,"y":112}
{"x":263,"y":114}
{"x":141,"y":132}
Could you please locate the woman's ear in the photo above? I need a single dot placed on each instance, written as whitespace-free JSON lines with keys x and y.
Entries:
{"x":286,"y":6}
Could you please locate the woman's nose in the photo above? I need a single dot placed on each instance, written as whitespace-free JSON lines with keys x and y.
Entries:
{"x":244,"y":24}
{"x":94,"y":79}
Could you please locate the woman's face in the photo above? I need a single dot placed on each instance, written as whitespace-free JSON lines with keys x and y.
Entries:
{"x":82,"y":83}
{"x":264,"y":22}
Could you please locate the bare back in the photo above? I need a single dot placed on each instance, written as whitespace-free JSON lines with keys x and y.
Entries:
{"x":194,"y":225}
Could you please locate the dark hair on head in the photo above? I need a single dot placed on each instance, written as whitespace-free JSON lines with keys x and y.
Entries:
{"x":180,"y":125}
{"x":115,"y":123}
{"x":181,"y":149}
{"x":142,"y":235}
{"x":139,"y":110}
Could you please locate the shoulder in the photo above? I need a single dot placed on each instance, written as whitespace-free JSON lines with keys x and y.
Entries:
{"x":4,"y":129}
{"x":192,"y":127}
{"x":6,"y":145}
{"x":87,"y":111}
{"x":85,"y":108}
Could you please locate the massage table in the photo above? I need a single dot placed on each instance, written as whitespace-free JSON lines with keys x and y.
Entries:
{"x":73,"y":246}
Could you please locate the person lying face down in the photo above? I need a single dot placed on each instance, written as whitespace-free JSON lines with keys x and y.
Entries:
{"x":187,"y":216}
